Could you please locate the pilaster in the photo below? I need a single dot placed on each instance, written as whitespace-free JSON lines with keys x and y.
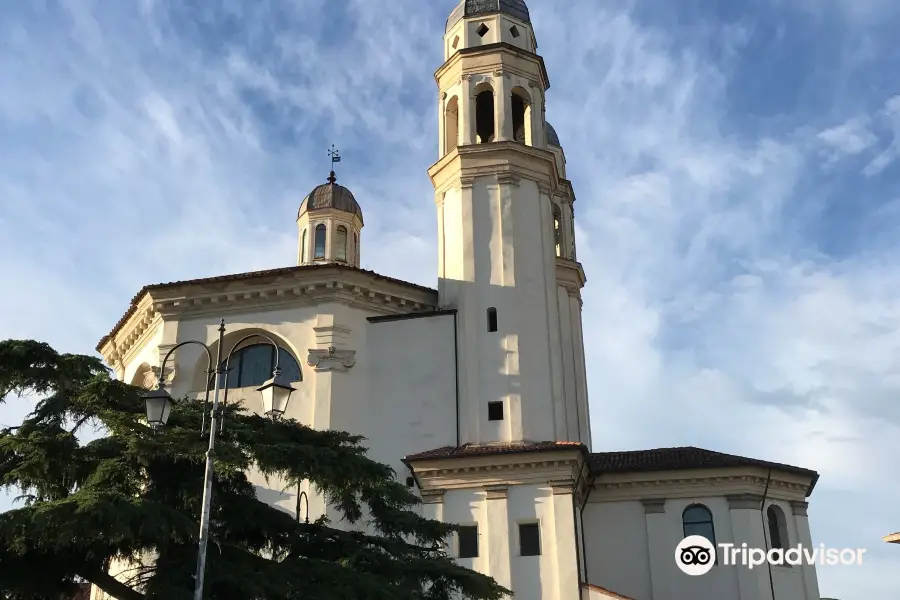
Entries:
{"x":503,"y":103}
{"x":467,"y":110}
{"x":661,"y":557}
{"x":747,"y":527}
{"x":497,"y":525}
{"x":566,"y":539}
{"x":804,"y":538}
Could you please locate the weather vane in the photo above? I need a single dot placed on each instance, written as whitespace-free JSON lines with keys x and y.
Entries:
{"x":335,"y":158}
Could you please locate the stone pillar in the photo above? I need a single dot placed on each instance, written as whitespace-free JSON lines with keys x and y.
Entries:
{"x":467,"y":111}
{"x":804,"y":538}
{"x":747,"y":527}
{"x":503,"y":107}
{"x":660,"y":556}
{"x":497,"y":525}
{"x":566,"y":539}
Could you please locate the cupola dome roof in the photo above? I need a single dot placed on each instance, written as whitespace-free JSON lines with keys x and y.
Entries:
{"x":330,"y":196}
{"x":472,"y":8}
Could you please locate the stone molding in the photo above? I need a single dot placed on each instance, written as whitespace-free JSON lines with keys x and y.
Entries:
{"x":291,"y":291}
{"x":692,"y":487}
{"x":432,"y":496}
{"x":653,"y":506}
{"x":745,"y":502}
{"x":562,"y":486}
{"x":331,"y":359}
{"x":799,"y":508}
{"x":496,"y":492}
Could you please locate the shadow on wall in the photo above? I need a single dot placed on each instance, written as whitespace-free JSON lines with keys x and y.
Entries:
{"x":273,"y":497}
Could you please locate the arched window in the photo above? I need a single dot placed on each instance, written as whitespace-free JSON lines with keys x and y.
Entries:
{"x":253,"y":365}
{"x":320,"y":241}
{"x":698,"y":520}
{"x":451,"y":125}
{"x":303,"y":249}
{"x":356,"y":248}
{"x":521,"y":117}
{"x":778,"y":536}
{"x":557,"y":229}
{"x":340,"y":243}
{"x":484,"y":116}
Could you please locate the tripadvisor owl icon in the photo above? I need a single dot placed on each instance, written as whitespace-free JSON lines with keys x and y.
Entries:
{"x":695,"y":555}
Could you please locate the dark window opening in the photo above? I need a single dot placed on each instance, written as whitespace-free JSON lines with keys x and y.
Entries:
{"x":698,"y":520}
{"x":320,"y":241}
{"x":303,"y":249}
{"x":514,"y":31}
{"x":484,"y":116}
{"x":492,"y":320}
{"x":340,"y":240}
{"x":482,"y":31}
{"x":468,"y":541}
{"x":455,"y":42}
{"x":252,"y":366}
{"x":410,"y":482}
{"x":495,"y":411}
{"x":777,"y":528}
{"x":557,"y":229}
{"x":530,"y":539}
{"x":518,"y":117}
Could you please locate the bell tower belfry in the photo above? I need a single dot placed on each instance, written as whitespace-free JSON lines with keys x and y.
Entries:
{"x":504,"y":215}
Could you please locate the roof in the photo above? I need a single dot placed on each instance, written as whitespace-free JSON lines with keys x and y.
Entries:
{"x":893,"y":538}
{"x":552,"y":137}
{"x":330,"y":195}
{"x":473,"y":450}
{"x":473,"y":8}
{"x":243,"y":277}
{"x":683,"y":458}
{"x":606,"y":592}
{"x":635,"y":461}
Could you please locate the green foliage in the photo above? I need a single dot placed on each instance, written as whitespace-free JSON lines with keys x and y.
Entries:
{"x":133,"y":494}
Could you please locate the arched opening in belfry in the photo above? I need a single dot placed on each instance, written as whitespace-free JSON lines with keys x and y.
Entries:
{"x":451,"y":125}
{"x":484,"y":116}
{"x":521,"y":117}
{"x":557,"y":230}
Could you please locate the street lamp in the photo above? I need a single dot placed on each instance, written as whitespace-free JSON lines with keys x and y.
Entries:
{"x":276,"y":393}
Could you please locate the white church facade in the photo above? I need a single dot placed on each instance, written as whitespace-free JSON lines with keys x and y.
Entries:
{"x":475,"y":391}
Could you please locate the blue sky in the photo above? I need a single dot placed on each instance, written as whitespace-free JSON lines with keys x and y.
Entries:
{"x":737,"y":168}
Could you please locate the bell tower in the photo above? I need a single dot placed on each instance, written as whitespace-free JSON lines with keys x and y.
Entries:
{"x":504,"y":264}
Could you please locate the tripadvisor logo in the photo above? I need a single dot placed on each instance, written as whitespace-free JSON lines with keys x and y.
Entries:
{"x":696,"y":555}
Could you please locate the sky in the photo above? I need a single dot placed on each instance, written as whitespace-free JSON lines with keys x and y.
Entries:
{"x":736,"y":166}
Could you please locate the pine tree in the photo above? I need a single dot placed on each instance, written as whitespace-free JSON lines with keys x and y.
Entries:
{"x":132,"y":493}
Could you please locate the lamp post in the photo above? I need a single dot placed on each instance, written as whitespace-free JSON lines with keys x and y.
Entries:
{"x":276,"y":393}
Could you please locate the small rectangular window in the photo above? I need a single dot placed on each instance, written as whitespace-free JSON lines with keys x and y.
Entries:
{"x":468,"y":541}
{"x":410,"y":482}
{"x":492,"y":320}
{"x":495,"y":411}
{"x":530,"y":539}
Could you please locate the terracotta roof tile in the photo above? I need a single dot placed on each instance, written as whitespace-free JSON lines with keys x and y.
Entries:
{"x":472,"y":450}
{"x":607,"y":592}
{"x":244,"y":276}
{"x":675,"y":459}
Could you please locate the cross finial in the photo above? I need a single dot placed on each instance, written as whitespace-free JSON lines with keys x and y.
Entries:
{"x":335,"y":158}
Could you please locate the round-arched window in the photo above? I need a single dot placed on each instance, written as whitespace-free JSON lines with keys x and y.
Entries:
{"x":253,"y":365}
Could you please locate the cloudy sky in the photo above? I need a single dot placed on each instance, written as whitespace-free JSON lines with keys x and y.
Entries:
{"x":737,"y":167}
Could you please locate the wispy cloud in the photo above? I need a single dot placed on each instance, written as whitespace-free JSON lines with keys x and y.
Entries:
{"x":736,"y":297}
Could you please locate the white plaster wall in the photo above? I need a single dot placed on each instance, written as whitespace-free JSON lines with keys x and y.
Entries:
{"x":491,"y":37}
{"x":553,"y":575}
{"x":525,"y":39}
{"x":496,"y":250}
{"x":410,"y":389}
{"x":632,"y":553}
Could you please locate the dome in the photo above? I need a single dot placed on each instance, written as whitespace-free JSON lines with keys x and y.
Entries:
{"x":552,"y":137}
{"x":330,"y":195}
{"x":473,"y":8}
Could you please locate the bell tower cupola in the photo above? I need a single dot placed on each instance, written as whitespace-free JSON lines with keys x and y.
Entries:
{"x":492,"y":83}
{"x":330,"y":223}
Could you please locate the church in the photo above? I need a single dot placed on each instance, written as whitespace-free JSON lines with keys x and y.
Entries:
{"x":475,"y":390}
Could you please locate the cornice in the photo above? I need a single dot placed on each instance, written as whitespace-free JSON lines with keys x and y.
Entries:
{"x":236,"y":297}
{"x":488,"y":58}
{"x":687,"y":486}
{"x":550,"y":470}
{"x":503,"y":160}
{"x":570,"y":274}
